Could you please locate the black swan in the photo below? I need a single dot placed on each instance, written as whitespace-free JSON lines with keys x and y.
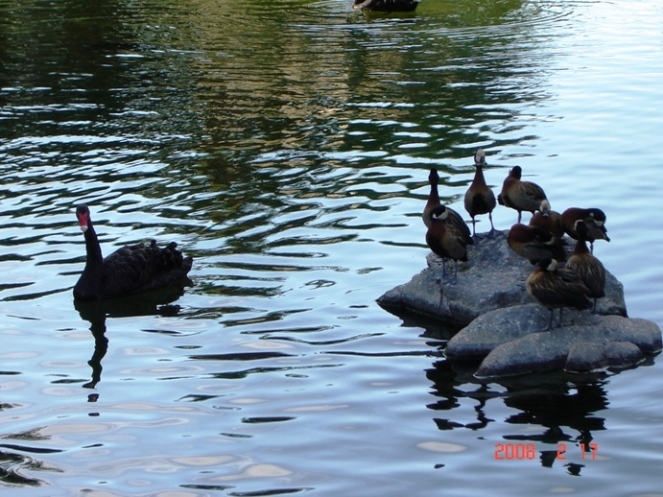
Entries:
{"x":386,"y":5}
{"x":129,"y":270}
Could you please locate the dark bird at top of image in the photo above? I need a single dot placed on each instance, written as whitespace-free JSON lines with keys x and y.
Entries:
{"x":479,"y":199}
{"x":594,"y":219}
{"x":588,"y":268}
{"x":130,"y":270}
{"x":385,"y":5}
{"x":522,"y":195}
{"x":556,"y":287}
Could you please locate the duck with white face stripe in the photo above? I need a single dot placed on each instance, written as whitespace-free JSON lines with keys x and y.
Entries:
{"x":594,"y":219}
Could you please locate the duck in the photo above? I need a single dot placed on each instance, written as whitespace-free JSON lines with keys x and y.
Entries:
{"x":433,"y":201}
{"x":130,"y":270}
{"x":445,"y":239}
{"x":594,"y":219}
{"x":552,"y":223}
{"x":479,"y":199}
{"x":385,"y":5}
{"x":588,"y":267}
{"x":522,"y":195}
{"x":556,"y":287}
{"x":433,"y":196}
{"x":534,"y":243}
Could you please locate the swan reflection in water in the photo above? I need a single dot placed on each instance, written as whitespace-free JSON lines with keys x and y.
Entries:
{"x":155,"y":303}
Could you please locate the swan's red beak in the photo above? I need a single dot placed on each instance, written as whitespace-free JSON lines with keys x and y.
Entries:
{"x":82,"y":221}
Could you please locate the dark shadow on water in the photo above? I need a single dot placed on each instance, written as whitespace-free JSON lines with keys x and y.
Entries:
{"x":434,"y":328}
{"x":561,"y":406}
{"x":158,"y":302}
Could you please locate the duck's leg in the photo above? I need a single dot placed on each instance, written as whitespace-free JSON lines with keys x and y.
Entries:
{"x":453,"y":282}
{"x":550,"y":321}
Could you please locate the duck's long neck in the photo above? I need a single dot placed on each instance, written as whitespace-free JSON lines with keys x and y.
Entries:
{"x":434,"y":196}
{"x":581,"y":247}
{"x":478,"y":177}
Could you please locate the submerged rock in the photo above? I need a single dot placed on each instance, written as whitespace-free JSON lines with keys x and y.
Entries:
{"x":503,"y":326}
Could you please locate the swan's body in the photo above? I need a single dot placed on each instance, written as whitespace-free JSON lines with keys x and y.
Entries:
{"x":386,"y":5}
{"x":129,"y":270}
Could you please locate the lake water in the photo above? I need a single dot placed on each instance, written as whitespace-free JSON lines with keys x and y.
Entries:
{"x":285,"y":145}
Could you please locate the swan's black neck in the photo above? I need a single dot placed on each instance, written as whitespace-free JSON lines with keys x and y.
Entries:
{"x":92,"y":247}
{"x":88,"y":285}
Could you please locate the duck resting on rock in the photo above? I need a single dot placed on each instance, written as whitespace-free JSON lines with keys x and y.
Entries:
{"x":594,"y":222}
{"x":588,"y":268}
{"x":556,"y":287}
{"x":534,"y":243}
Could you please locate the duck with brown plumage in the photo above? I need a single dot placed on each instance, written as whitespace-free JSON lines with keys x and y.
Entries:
{"x":522,"y":195}
{"x":479,"y":198}
{"x":594,"y":220}
{"x":447,"y":239}
{"x":555,"y":287}
{"x":588,"y":267}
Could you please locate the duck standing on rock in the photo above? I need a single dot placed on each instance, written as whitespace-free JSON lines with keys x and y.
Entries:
{"x":588,"y":268}
{"x":522,"y":195}
{"x":594,"y":220}
{"x":446,"y":239}
{"x":434,"y":201}
{"x":130,"y":270}
{"x":534,"y":243}
{"x":385,"y":5}
{"x":556,"y":287}
{"x":479,"y":199}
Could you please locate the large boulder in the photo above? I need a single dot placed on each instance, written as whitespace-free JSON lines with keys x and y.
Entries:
{"x":503,"y":325}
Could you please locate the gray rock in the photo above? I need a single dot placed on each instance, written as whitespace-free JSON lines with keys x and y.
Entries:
{"x":596,"y":356}
{"x":493,"y":278}
{"x":615,"y":342}
{"x":503,"y":326}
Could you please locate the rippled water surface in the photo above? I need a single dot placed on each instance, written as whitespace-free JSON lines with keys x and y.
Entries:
{"x":285,"y":145}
